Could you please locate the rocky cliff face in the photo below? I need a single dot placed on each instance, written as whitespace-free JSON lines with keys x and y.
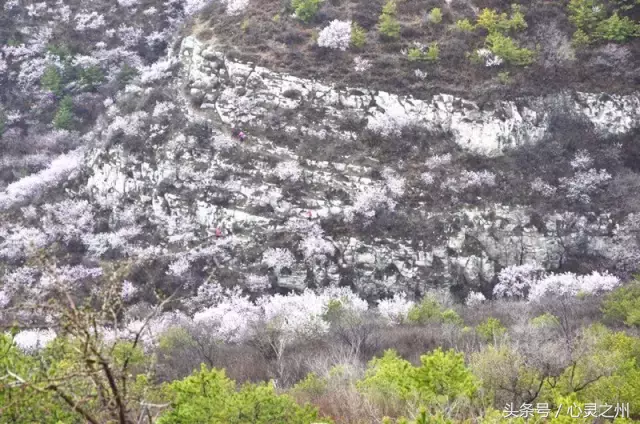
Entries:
{"x":250,"y":94}
{"x":260,"y":210}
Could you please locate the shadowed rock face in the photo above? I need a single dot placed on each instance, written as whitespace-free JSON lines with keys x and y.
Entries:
{"x":377,"y":234}
{"x":243,"y":92}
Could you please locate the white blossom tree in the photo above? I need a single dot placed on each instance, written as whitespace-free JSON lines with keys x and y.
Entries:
{"x":336,"y":36}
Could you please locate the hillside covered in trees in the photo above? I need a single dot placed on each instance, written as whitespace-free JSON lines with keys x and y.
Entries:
{"x":306,"y":211}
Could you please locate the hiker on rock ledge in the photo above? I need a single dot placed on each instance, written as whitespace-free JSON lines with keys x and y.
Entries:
{"x":238,"y":133}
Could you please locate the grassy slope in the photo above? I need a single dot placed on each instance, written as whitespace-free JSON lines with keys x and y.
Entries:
{"x":286,"y":44}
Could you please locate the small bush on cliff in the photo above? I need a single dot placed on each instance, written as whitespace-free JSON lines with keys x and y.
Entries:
{"x":358,"y":35}
{"x":305,"y":10}
{"x":52,"y":80}
{"x":506,"y":48}
{"x":388,"y":24}
{"x":435,"y":15}
{"x":616,"y":28}
{"x":64,"y":116}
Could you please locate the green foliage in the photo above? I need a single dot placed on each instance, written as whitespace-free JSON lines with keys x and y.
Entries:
{"x":389,"y":377}
{"x":428,"y":310}
{"x":623,"y":305}
{"x":465,"y":25}
{"x":507,"y":49}
{"x":335,"y":311}
{"x":607,"y":370}
{"x":444,"y":377}
{"x":504,"y":77}
{"x":276,"y":18}
{"x":435,"y":15}
{"x":585,"y":14}
{"x":126,"y":74}
{"x":60,"y":50}
{"x":244,"y":26}
{"x":3,"y":122}
{"x":501,"y":368}
{"x":51,"y":80}
{"x":311,"y":387}
{"x":433,"y":52}
{"x":451,"y":317}
{"x":491,"y":329}
{"x":305,"y":10}
{"x":498,"y":25}
{"x":358,"y":35}
{"x":545,"y":320}
{"x":209,"y":397}
{"x":617,"y":29}
{"x":91,"y":77}
{"x":388,"y":24}
{"x":414,"y":54}
{"x":580,"y":39}
{"x":426,"y":418}
{"x":64,"y":117}
{"x":441,"y":378}
{"x":589,"y":18}
{"x":494,"y":22}
{"x":25,"y":403}
{"x":175,"y":337}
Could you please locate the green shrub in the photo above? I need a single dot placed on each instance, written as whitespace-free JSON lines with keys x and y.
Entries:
{"x":64,"y":117}
{"x":244,"y":26}
{"x":388,"y":377}
{"x":517,"y":22}
{"x":312,"y":386}
{"x":388,"y":24}
{"x":435,"y":15}
{"x":494,"y":22}
{"x":175,"y":337}
{"x":616,"y":28}
{"x":51,"y":80}
{"x":465,"y":25}
{"x":209,"y":397}
{"x":623,"y":305}
{"x":488,"y":19}
{"x":126,"y":74}
{"x":507,"y":49}
{"x":451,"y":317}
{"x":414,"y":54}
{"x":444,"y":375}
{"x":305,"y":10}
{"x":91,"y":78}
{"x":504,"y":77}
{"x":491,"y":329}
{"x":545,"y":320}
{"x":61,"y":50}
{"x":3,"y":122}
{"x":585,"y":14}
{"x":358,"y":35}
{"x":25,"y":403}
{"x":428,"y":310}
{"x":580,"y":39}
{"x":433,"y":52}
